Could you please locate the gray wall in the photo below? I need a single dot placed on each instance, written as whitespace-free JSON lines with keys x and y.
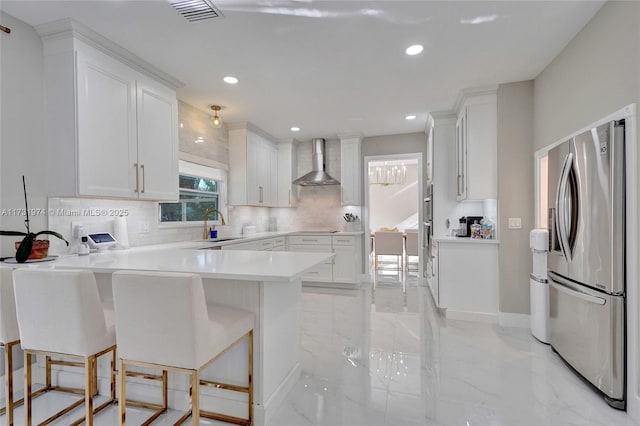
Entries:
{"x":581,"y":85}
{"x":515,"y":193}
{"x":597,"y":74}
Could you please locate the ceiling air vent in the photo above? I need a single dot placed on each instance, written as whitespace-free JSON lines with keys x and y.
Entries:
{"x":196,"y":10}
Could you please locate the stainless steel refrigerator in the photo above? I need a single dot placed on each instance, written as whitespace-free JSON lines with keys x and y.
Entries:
{"x":586,"y":261}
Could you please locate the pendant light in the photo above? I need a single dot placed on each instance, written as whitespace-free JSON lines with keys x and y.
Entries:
{"x":215,"y":121}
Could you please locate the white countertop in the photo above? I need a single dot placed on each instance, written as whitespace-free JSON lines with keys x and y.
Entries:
{"x":220,"y":264}
{"x":463,"y":240}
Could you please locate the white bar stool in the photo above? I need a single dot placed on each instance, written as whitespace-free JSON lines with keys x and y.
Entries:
{"x":163,"y":322}
{"x":60,"y":314}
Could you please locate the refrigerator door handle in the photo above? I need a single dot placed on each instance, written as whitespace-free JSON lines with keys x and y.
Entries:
{"x":567,"y":287}
{"x":561,"y":211}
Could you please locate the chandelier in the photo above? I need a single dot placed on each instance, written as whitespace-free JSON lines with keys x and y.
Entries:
{"x":387,"y":174}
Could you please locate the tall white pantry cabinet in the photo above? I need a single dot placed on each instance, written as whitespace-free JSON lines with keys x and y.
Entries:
{"x":112,"y":129}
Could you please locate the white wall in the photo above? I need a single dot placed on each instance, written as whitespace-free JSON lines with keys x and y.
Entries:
{"x":392,"y":204}
{"x":21,"y":128}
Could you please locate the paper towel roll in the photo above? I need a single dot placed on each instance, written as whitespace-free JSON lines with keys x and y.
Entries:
{"x":539,"y":240}
{"x":120,"y":232}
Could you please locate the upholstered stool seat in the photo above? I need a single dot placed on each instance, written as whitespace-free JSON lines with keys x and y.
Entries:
{"x":60,"y":315}
{"x":163,"y":322}
{"x":388,"y":243}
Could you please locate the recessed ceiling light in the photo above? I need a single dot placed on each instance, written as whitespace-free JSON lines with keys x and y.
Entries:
{"x":295,"y":129}
{"x":230,"y":80}
{"x":410,"y":117}
{"x":414,"y":50}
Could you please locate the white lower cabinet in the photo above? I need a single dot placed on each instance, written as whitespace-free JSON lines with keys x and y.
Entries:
{"x":432,"y":273}
{"x":267,"y":244}
{"x":345,"y":268}
{"x":300,"y":243}
{"x":467,"y":280}
{"x":346,"y":265}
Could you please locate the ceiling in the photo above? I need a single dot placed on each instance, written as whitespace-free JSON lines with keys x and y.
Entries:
{"x":332,"y":67}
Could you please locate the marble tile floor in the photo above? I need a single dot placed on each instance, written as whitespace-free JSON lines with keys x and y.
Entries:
{"x":392,"y":360}
{"x":397,"y":362}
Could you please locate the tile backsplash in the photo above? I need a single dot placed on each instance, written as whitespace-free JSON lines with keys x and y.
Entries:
{"x":98,"y":215}
{"x":318,"y":208}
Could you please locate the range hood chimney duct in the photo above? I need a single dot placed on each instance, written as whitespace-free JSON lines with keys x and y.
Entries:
{"x":317,"y":176}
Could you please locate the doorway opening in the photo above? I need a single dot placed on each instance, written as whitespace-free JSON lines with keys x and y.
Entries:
{"x":393,"y":214}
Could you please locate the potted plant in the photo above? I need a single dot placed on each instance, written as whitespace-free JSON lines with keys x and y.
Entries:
{"x":30,"y":247}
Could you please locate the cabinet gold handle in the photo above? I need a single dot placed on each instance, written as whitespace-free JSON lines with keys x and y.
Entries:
{"x":458,"y":186}
{"x":136,"y":166}
{"x":143,"y":180}
{"x":261,"y":194}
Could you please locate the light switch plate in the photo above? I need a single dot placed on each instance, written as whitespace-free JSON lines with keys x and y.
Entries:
{"x":515,"y":223}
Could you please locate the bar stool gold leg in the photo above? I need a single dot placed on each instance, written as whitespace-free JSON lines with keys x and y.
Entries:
{"x":165,"y":390}
{"x":250,"y":385}
{"x":8,"y":381}
{"x":88,"y":390}
{"x":195,"y":398}
{"x":122,"y":402}
{"x":48,"y":371}
{"x":27,"y":388}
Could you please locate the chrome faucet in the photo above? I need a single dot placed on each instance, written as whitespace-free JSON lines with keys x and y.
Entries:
{"x":205,"y":234}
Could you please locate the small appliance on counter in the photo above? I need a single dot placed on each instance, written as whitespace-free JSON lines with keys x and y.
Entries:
{"x":465,"y":224}
{"x":100,"y":240}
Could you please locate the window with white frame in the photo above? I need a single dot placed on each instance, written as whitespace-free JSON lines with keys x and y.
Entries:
{"x":201,"y":188}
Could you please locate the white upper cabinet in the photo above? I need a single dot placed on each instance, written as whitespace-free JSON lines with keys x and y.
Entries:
{"x":287,"y":172}
{"x":252,"y":167}
{"x":106,"y":116}
{"x":350,"y":170}
{"x":476,"y":147}
{"x":112,"y":130}
{"x":157,"y":141}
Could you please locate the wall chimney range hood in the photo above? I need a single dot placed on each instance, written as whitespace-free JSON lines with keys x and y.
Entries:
{"x":317,"y":177}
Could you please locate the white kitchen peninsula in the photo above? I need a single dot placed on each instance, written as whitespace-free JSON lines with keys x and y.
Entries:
{"x":264,"y":282}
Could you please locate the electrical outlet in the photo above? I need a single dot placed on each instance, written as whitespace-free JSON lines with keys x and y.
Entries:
{"x":515,"y":223}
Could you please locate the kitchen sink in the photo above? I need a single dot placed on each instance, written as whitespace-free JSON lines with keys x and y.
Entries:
{"x":218,"y":240}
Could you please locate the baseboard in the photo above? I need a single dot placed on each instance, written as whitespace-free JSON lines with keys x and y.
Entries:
{"x":506,"y":319}
{"x":483,"y":317}
{"x":277,"y":397}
